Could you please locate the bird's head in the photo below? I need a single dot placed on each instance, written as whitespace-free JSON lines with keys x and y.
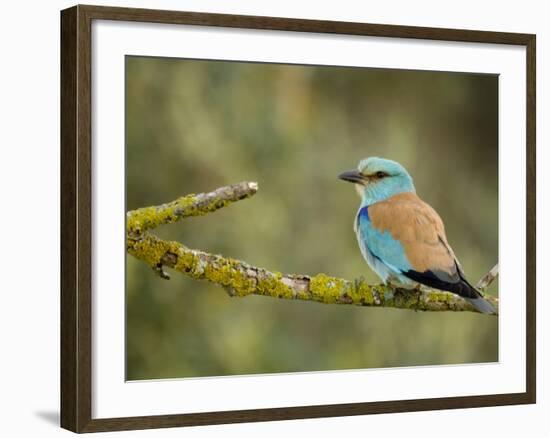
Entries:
{"x":377,"y":179}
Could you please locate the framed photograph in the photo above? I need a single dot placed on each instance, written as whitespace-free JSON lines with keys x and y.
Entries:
{"x":270,"y":218}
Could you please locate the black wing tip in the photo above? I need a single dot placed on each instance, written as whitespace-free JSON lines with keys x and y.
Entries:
{"x":461,"y":288}
{"x":431,"y":279}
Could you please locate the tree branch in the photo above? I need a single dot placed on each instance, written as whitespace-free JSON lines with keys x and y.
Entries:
{"x":241,"y":279}
{"x":488,"y":278}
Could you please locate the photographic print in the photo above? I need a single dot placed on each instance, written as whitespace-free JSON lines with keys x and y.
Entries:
{"x":299,"y":218}
{"x":320,"y":218}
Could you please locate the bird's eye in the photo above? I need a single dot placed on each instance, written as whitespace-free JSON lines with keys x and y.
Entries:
{"x":381,"y":174}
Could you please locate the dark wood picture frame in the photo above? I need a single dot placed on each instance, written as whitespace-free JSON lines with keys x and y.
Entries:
{"x":76,"y":214}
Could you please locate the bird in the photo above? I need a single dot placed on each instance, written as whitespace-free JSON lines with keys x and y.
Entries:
{"x":401,"y":237}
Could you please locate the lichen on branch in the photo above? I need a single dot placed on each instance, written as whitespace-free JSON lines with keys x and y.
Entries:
{"x":241,"y":279}
{"x":147,"y":218}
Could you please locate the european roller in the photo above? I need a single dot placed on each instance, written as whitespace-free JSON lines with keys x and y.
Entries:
{"x":401,"y":237}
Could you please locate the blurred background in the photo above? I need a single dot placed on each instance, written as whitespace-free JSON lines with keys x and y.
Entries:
{"x":193,"y":126}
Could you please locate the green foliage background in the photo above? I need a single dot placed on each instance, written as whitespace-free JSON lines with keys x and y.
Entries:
{"x":192,"y":126}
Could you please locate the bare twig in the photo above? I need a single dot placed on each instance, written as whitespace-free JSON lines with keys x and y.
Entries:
{"x":488,"y":278}
{"x":241,"y":279}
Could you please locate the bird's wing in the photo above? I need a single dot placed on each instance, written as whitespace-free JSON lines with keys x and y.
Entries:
{"x":408,"y":234}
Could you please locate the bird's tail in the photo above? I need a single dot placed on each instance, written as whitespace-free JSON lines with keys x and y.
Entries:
{"x":474,"y":297}
{"x":481,"y":304}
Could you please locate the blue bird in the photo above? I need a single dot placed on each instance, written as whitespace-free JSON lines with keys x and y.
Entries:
{"x":401,"y":237}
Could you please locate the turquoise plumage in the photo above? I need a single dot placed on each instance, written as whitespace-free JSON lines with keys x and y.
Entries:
{"x":385,"y":255}
{"x":401,"y":237}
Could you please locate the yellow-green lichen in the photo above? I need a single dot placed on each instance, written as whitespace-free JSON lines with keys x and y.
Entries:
{"x":271,"y":284}
{"x":142,"y":219}
{"x":147,"y":218}
{"x":362,"y":293}
{"x":138,"y":221}
{"x":186,"y":262}
{"x":229,"y":273}
{"x":152,"y":250}
{"x":440,"y":297}
{"x":326,"y":289}
{"x":148,"y":249}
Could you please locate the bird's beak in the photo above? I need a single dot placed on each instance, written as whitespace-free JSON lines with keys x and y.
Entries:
{"x":353,"y":176}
